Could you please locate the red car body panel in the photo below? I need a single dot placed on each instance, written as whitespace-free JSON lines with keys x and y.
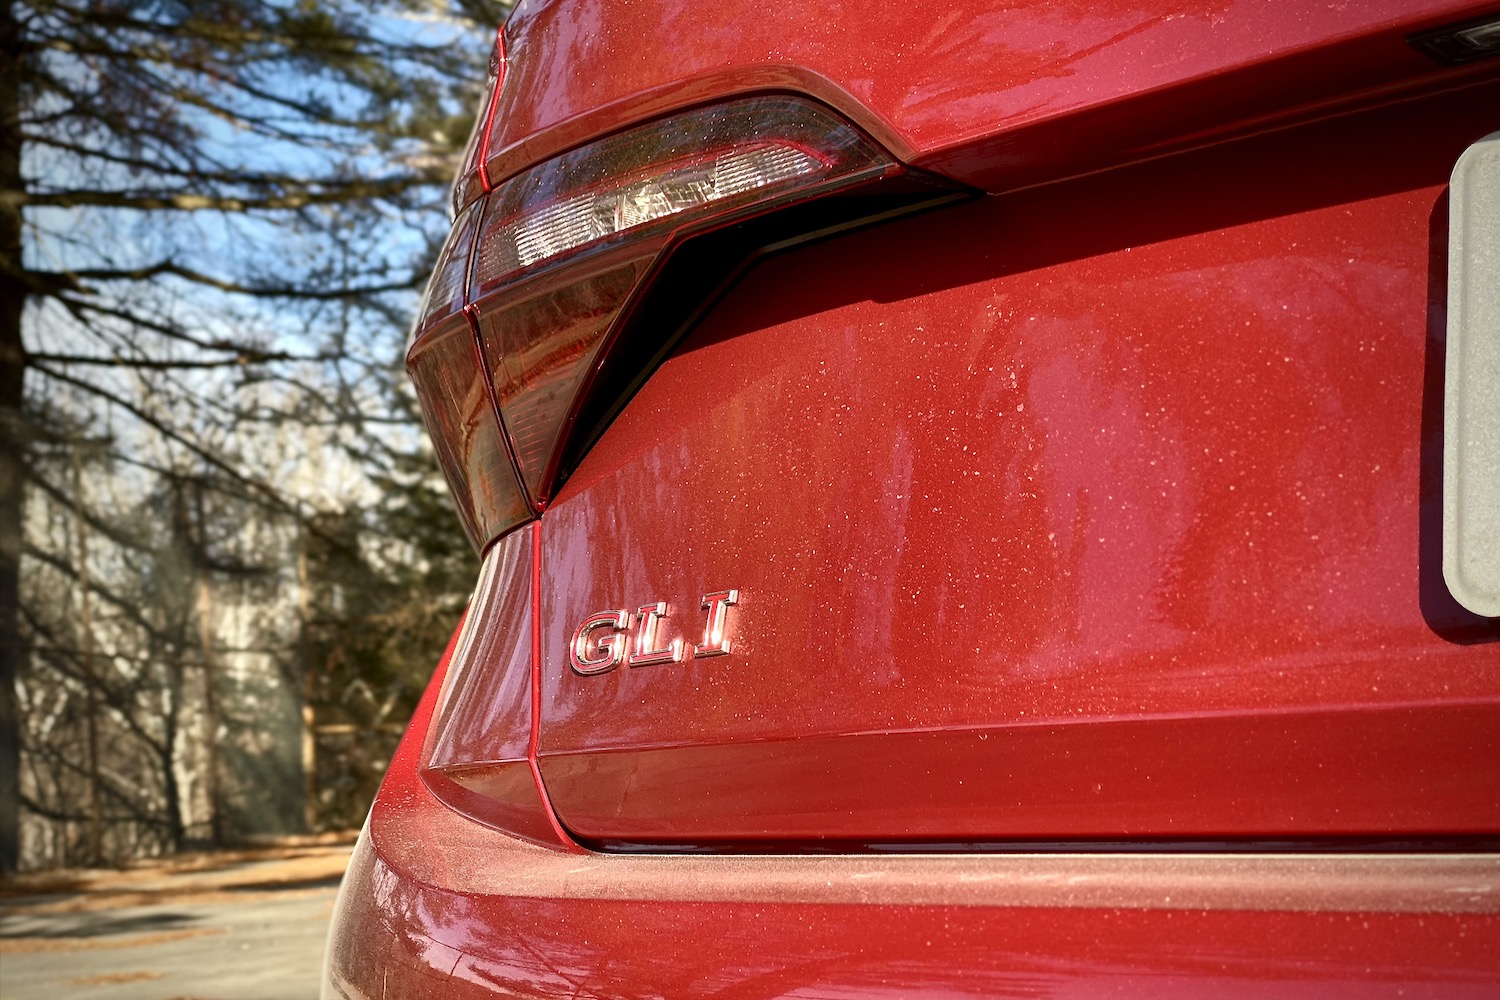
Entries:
{"x":1100,"y":521}
{"x":1085,"y":540}
{"x":437,"y":906}
{"x":1040,"y":89}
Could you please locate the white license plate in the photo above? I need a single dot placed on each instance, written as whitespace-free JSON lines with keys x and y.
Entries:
{"x":1471,"y":417}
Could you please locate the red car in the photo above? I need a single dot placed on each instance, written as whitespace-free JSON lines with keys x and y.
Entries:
{"x":975,"y":500}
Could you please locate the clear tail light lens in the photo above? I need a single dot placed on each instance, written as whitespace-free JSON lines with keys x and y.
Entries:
{"x":643,"y":184}
{"x":567,"y":223}
{"x":554,"y":257}
{"x":447,"y":289}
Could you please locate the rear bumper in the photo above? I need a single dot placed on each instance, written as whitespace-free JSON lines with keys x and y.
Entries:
{"x":435,"y":906}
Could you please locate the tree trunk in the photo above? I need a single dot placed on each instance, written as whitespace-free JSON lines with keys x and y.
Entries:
{"x":309,"y":692}
{"x":86,"y":630}
{"x":210,"y":711}
{"x":210,"y":690}
{"x":171,"y":790}
{"x":12,"y":439}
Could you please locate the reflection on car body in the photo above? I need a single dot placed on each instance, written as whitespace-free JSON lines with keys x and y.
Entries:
{"x":1038,"y":415}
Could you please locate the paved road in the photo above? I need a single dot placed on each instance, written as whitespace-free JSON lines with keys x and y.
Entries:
{"x":247,"y":931}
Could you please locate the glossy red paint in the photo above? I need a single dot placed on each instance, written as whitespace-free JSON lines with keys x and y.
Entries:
{"x":972,"y":88}
{"x":1103,"y":510}
{"x":1101,"y":521}
{"x":479,"y":750}
{"x":437,"y":906}
{"x":472,"y":180}
{"x":485,"y":711}
{"x":601,"y":938}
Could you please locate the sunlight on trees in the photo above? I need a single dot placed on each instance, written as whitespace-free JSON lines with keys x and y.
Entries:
{"x":227,"y":560}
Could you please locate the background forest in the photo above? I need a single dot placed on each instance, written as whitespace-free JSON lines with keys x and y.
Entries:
{"x":227,"y":559}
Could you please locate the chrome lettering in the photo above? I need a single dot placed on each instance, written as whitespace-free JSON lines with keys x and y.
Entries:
{"x":644,"y":651}
{"x":612,"y":646}
{"x":715,"y":637}
{"x":606,"y":640}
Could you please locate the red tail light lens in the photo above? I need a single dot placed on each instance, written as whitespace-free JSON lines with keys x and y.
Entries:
{"x":444,"y":364}
{"x":460,"y":417}
{"x":538,"y":350}
{"x":562,"y":251}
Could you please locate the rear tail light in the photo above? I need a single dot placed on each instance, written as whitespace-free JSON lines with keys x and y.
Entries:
{"x":673,"y":189}
{"x":641,"y":185}
{"x":538,"y":275}
{"x":1463,"y":42}
{"x":456,"y":400}
{"x":539,"y":344}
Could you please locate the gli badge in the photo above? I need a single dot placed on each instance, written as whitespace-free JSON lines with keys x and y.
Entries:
{"x":607,"y":639}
